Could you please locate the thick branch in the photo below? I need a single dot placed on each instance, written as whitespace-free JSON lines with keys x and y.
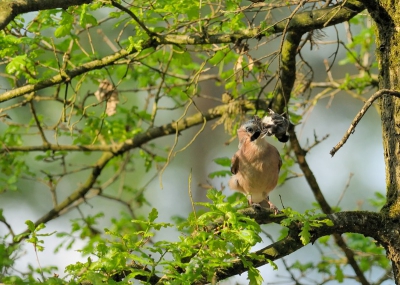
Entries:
{"x":309,"y":175}
{"x":10,"y":9}
{"x":77,"y":194}
{"x":301,"y":22}
{"x":149,"y":134}
{"x":320,"y":18}
{"x":69,"y":75}
{"x":366,"y":223}
{"x":326,"y":208}
{"x":288,"y":70}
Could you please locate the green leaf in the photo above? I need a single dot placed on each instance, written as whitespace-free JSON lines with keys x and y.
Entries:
{"x":220,"y":173}
{"x":40,"y":227}
{"x":218,"y":57}
{"x":215,"y":196}
{"x":153,"y":215}
{"x":249,"y":237}
{"x":17,"y":64}
{"x":19,"y":237}
{"x":31,"y":225}
{"x":305,"y":233}
{"x":223,"y":161}
{"x":324,"y":240}
{"x":378,"y":201}
{"x":65,"y":27}
{"x":339,"y":276}
{"x":254,"y":276}
{"x":86,"y":18}
{"x":303,"y":267}
{"x":62,"y":31}
{"x":134,"y":44}
{"x":230,"y":85}
{"x":273,"y":264}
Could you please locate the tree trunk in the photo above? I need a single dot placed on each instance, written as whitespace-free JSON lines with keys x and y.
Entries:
{"x":386,"y":14}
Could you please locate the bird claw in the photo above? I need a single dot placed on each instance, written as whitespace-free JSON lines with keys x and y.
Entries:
{"x":274,"y":208}
{"x":270,"y":206}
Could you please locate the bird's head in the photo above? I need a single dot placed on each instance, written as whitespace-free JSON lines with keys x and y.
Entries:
{"x":252,"y":129}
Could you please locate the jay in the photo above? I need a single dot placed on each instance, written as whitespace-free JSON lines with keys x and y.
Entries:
{"x":255,"y":166}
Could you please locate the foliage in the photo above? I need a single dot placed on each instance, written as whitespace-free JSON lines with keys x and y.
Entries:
{"x":183,"y":261}
{"x":308,"y":220}
{"x":88,"y":89}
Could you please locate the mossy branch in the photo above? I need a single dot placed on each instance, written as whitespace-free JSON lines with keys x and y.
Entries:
{"x":148,"y":135}
{"x":10,"y":9}
{"x":366,"y":223}
{"x":301,"y":23}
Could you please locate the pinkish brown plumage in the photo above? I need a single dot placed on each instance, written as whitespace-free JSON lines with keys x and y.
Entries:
{"x":255,"y":166}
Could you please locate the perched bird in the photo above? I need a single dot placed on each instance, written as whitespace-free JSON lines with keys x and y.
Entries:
{"x":255,"y":166}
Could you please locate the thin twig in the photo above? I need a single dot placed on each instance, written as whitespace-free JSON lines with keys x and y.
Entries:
{"x":158,"y":95}
{"x":169,"y":157}
{"x":360,"y":114}
{"x":334,"y":14}
{"x":38,"y":261}
{"x":191,"y":197}
{"x":3,"y":220}
{"x":130,"y":13}
{"x":345,"y":189}
{"x":37,"y":121}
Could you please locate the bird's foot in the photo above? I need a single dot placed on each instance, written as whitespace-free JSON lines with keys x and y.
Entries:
{"x":274,"y":208}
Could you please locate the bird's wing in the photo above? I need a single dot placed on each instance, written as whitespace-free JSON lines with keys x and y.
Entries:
{"x":235,"y":164}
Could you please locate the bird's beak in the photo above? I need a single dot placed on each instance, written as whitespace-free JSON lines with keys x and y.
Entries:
{"x":263,"y":134}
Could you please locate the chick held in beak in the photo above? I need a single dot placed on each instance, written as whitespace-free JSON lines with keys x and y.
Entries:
{"x":275,"y":124}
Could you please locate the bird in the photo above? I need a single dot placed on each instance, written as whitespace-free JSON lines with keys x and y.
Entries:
{"x":277,"y":125}
{"x":256,"y":164}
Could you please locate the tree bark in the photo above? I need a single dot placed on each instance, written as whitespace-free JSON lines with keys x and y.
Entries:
{"x":386,"y":14}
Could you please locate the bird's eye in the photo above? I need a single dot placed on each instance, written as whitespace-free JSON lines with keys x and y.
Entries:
{"x":249,"y":129}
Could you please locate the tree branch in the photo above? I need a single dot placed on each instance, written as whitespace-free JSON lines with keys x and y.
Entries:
{"x":287,"y":70}
{"x":367,"y":223}
{"x":10,"y":9}
{"x":77,"y":194}
{"x":69,"y":74}
{"x":130,"y":13}
{"x":300,"y":22}
{"x":326,"y":208}
{"x":148,"y":135}
{"x":308,"y":174}
{"x":363,"y":222}
{"x":360,"y":114}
